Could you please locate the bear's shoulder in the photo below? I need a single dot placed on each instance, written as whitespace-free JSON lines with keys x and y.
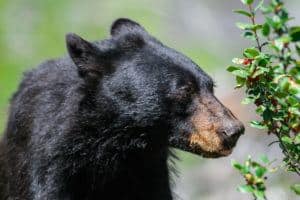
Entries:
{"x":60,"y":70}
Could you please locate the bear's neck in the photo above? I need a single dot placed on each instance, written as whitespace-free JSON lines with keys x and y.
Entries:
{"x":134,"y":176}
{"x":116,"y":163}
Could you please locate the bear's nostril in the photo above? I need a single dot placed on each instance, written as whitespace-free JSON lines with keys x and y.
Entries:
{"x":225,"y":133}
{"x":235,"y":130}
{"x":231,"y":134}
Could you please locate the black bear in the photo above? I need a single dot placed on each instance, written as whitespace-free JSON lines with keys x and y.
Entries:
{"x":98,"y":123}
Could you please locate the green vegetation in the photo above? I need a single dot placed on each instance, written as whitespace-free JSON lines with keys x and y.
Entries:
{"x":32,"y":31}
{"x":254,"y":174}
{"x":270,"y":73}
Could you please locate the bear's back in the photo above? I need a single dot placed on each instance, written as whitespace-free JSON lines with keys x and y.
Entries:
{"x":42,"y":107}
{"x":51,"y":74}
{"x":43,"y":92}
{"x":45,"y":98}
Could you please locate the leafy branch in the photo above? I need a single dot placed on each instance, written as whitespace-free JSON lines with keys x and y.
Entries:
{"x":270,"y":73}
{"x":254,"y":174}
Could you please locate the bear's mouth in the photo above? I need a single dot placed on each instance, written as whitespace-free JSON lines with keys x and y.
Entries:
{"x":197,"y":144}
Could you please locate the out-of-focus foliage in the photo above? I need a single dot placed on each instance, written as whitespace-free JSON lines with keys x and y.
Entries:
{"x":32,"y":31}
{"x":254,"y":174}
{"x":270,"y":72}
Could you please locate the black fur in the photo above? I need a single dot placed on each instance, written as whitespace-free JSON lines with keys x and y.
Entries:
{"x":95,"y":124}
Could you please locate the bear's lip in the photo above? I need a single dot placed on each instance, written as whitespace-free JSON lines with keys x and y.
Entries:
{"x":183,"y":143}
{"x":221,"y":153}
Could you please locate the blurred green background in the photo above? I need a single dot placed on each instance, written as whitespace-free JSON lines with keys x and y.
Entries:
{"x":32,"y":31}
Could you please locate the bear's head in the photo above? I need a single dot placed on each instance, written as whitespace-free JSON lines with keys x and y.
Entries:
{"x":157,"y":95}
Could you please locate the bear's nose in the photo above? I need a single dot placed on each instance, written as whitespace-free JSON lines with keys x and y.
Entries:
{"x":231,"y":133}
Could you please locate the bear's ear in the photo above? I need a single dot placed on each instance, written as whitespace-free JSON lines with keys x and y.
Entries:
{"x":85,"y":55}
{"x":123,"y":26}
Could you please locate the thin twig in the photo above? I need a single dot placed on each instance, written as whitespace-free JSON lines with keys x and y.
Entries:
{"x":255,"y":32}
{"x":272,"y":143}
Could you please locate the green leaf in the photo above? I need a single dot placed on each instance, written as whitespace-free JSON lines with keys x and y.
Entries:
{"x":285,"y":128}
{"x":296,"y":188}
{"x":252,"y":68}
{"x":243,"y":12}
{"x":260,"y":171}
{"x":293,"y":101}
{"x":266,"y":9}
{"x":257,"y":27}
{"x":275,"y":2}
{"x":274,"y":22}
{"x":284,"y":84}
{"x":260,"y":195}
{"x":245,"y":26}
{"x":260,"y":71}
{"x":241,"y":73}
{"x":260,"y":109}
{"x":232,"y":68}
{"x":260,"y":185}
{"x":263,"y":63}
{"x":295,"y":111}
{"x":264,"y":159}
{"x":295,"y":33}
{"x":297,"y":139}
{"x":236,"y":165}
{"x":295,"y":91}
{"x":259,"y":5}
{"x":247,"y":100}
{"x":240,"y":82}
{"x":267,"y":114}
{"x":298,"y":48}
{"x":256,"y":124}
{"x":245,"y":189}
{"x":247,"y":2}
{"x":280,"y":42}
{"x":277,"y":21}
{"x":266,"y":29}
{"x":286,"y":39}
{"x":251,"y":53}
{"x":287,"y":140}
{"x":249,"y":35}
